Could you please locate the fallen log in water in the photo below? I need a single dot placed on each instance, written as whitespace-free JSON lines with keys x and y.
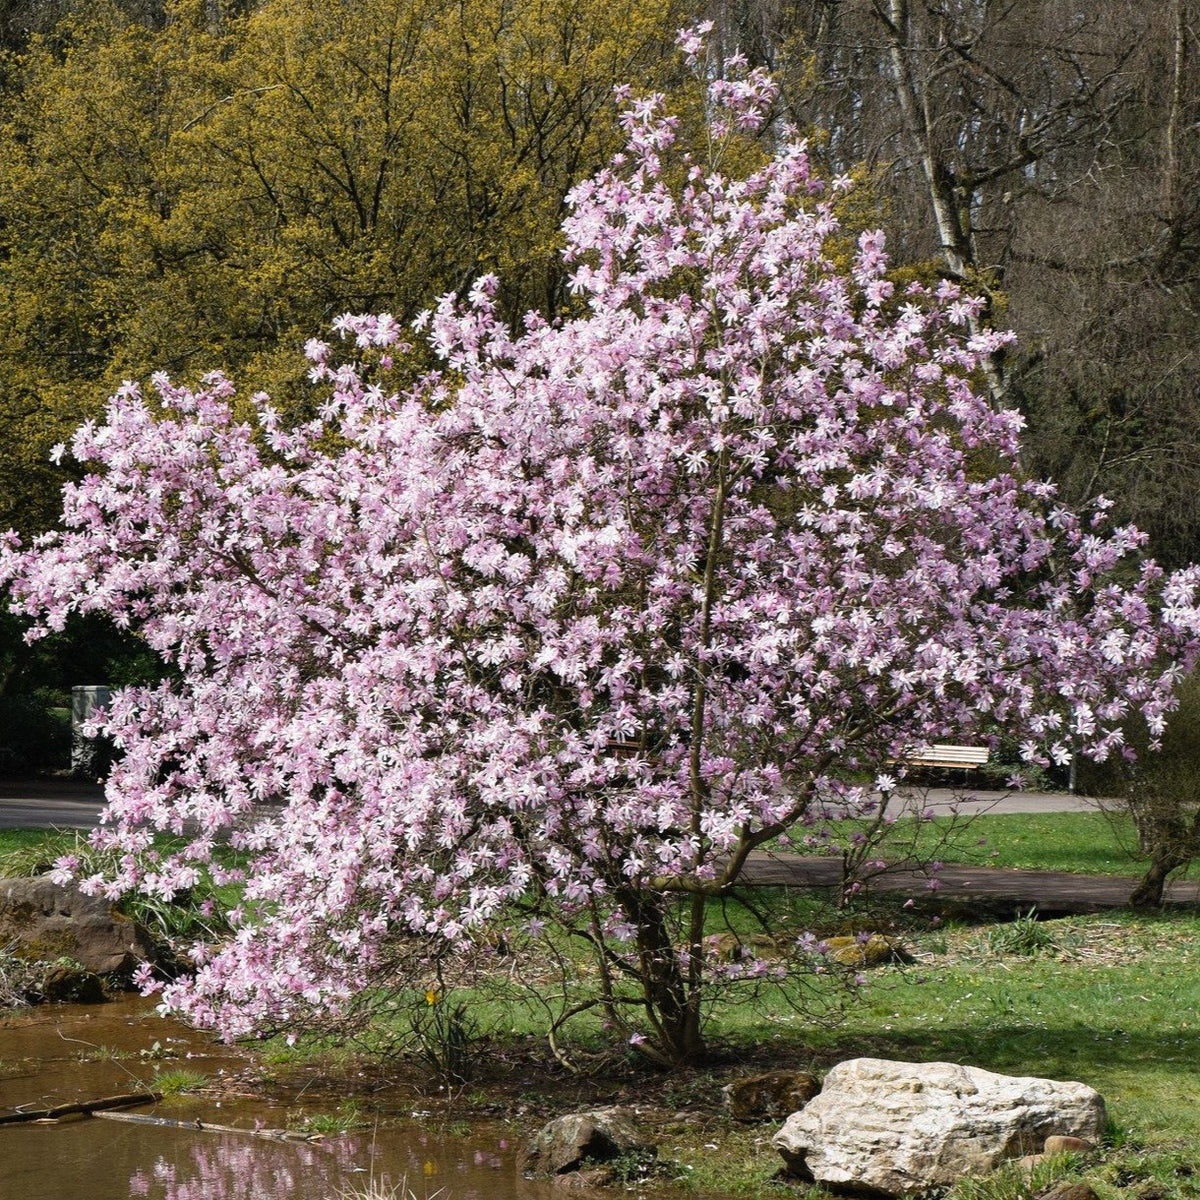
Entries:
{"x":275,"y":1135}
{"x":106,"y":1107}
{"x":98,"y":1107}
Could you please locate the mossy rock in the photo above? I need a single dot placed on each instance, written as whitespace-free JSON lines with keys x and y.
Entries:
{"x":772,"y":1096}
{"x":41,"y":921}
{"x":873,"y":951}
{"x":68,"y":983}
{"x":729,"y":947}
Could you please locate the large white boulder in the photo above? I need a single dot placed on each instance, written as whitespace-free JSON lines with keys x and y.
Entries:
{"x":899,"y":1128}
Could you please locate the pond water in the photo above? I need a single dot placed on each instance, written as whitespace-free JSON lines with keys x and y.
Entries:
{"x":64,"y":1054}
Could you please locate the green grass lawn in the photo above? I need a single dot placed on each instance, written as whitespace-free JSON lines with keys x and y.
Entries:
{"x":1087,"y":843}
{"x":28,"y":851}
{"x":1112,"y":1001}
{"x":1090,"y":843}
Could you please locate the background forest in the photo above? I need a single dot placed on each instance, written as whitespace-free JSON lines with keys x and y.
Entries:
{"x":198,"y":185}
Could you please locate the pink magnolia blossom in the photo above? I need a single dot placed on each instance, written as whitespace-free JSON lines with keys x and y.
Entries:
{"x":592,"y":612}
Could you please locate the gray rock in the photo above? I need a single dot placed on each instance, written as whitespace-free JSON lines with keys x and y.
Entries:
{"x":43,"y":921}
{"x":596,"y":1136}
{"x":898,"y":1129}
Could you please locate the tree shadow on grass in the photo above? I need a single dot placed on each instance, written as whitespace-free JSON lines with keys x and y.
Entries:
{"x":1089,"y":1054}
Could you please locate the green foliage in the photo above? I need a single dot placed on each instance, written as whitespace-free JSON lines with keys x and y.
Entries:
{"x":636,"y":1166}
{"x":184,"y":195}
{"x":157,"y":1051}
{"x":197,"y":915}
{"x":1170,"y":1172}
{"x":1015,"y":1182}
{"x":329,"y":1124}
{"x":102,"y":1054}
{"x":729,"y":1161}
{"x":1023,"y":935}
{"x":88,"y":651}
{"x":28,"y":852}
{"x":33,"y":735}
{"x":177,"y":1082}
{"x":1123,"y":1169}
{"x":444,"y":1035}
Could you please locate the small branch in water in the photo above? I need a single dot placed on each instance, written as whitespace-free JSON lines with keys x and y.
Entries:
{"x":85,"y":1107}
{"x":105,"y":1106}
{"x":275,"y":1135}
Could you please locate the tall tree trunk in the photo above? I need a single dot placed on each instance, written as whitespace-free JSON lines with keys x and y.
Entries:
{"x":1171,"y":174}
{"x":949,"y":197}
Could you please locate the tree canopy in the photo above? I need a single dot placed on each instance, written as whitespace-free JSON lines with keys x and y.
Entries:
{"x":200,"y":185}
{"x":204,"y":193}
{"x":203,"y":183}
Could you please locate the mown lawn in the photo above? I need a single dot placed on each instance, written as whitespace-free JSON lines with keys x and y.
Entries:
{"x":1092,"y":843}
{"x":1112,"y":1001}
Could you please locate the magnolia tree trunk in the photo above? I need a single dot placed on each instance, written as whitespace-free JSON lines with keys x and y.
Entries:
{"x":668,"y":979}
{"x":1150,"y":891}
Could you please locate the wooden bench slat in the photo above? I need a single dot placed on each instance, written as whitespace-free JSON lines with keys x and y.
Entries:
{"x":943,"y":755}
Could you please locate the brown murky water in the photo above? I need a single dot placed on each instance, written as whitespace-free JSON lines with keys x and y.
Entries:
{"x":62,"y":1054}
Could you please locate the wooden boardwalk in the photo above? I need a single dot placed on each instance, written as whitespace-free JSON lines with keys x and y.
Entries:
{"x":1052,"y":893}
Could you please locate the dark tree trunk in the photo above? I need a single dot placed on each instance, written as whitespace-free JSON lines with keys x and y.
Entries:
{"x":1149,"y":892}
{"x":672,"y":1003}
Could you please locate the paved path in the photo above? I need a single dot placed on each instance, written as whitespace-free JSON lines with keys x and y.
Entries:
{"x":65,"y":804}
{"x":49,"y":804}
{"x":976,"y":802}
{"x":996,"y":890}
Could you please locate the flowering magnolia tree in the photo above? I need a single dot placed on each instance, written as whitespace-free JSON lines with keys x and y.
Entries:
{"x":580,"y":621}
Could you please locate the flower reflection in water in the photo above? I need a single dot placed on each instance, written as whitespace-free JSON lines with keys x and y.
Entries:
{"x":233,"y":1168}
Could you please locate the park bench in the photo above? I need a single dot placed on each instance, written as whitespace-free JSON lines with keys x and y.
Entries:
{"x":965,"y":758}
